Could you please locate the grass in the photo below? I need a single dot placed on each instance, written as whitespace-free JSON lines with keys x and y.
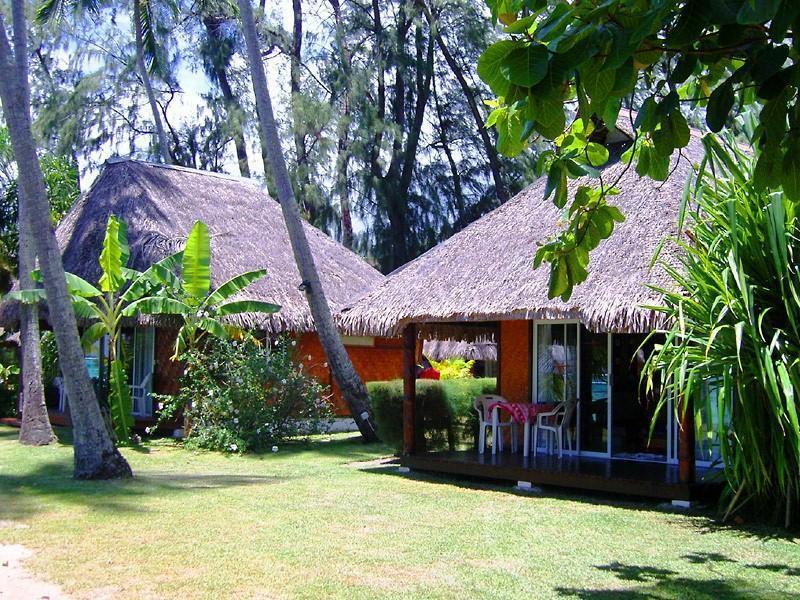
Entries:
{"x":324,"y":520}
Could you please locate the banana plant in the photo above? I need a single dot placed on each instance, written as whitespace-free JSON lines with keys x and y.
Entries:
{"x":104,"y":306}
{"x":190,"y":297}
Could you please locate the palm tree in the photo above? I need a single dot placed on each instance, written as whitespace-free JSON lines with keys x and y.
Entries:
{"x":146,"y":51}
{"x":35,"y":429}
{"x":96,"y":457}
{"x":353,"y":389}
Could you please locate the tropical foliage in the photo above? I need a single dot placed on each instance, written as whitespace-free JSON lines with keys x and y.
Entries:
{"x":734,"y":314}
{"x":246,"y":396}
{"x":564,"y":69}
{"x":102,"y":307}
{"x":189,"y":295}
{"x":453,"y":368}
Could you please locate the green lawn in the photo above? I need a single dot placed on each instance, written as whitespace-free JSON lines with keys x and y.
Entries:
{"x":324,"y":520}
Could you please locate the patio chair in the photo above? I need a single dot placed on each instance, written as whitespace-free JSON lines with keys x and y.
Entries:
{"x":58,"y":382}
{"x":487,"y":418}
{"x":139,"y":395}
{"x":554,"y":422}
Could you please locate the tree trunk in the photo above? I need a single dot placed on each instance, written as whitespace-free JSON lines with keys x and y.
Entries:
{"x":95,"y":455}
{"x":353,"y":389}
{"x":459,"y":216}
{"x":163,"y":144}
{"x":343,"y":145}
{"x":491,"y":151}
{"x":232,"y":106}
{"x":36,"y":429}
{"x":302,"y":176}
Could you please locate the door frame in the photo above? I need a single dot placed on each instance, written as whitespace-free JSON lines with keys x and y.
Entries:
{"x":577,"y":451}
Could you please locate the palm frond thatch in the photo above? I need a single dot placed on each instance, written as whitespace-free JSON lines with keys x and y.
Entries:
{"x":160,"y":204}
{"x":485,"y":272}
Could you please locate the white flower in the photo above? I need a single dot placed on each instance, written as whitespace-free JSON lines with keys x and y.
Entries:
{"x":234,"y":447}
{"x":236,"y":411}
{"x":236,"y":421}
{"x":274,"y":448}
{"x":234,"y":343}
{"x":294,"y":343}
{"x":160,"y":406}
{"x":283,"y":381}
{"x":147,"y":430}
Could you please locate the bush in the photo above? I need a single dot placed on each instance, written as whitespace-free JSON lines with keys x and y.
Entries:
{"x":446,"y":406}
{"x":454,"y":368}
{"x":9,"y":382}
{"x":240,"y":396}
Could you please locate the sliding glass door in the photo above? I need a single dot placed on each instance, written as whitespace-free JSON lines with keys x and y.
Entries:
{"x":556,"y":372}
{"x":594,"y":393}
{"x":633,"y":434}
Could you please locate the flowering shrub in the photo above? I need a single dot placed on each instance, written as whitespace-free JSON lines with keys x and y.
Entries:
{"x":454,"y":368}
{"x":239,"y":396}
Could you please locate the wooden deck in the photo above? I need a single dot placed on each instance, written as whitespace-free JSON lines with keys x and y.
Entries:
{"x":643,"y":479}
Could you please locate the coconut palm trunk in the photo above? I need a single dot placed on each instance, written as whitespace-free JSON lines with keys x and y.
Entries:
{"x":353,"y":389}
{"x":36,"y":429}
{"x":96,"y":457}
{"x":141,"y":67}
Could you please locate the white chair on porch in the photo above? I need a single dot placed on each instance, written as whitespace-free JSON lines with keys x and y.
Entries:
{"x":139,"y":394}
{"x":554,"y":422}
{"x":491,"y":419}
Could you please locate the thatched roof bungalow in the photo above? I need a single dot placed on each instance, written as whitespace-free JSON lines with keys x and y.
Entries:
{"x":582,"y":358}
{"x":160,"y":204}
{"x":485,"y":272}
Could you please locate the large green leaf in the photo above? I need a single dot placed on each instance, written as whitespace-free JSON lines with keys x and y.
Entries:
{"x":157,"y":305}
{"x":158,"y":275}
{"x":78,"y":286}
{"x":27,"y":296}
{"x":234,"y":285}
{"x":525,"y":66}
{"x":114,"y":256}
{"x":196,"y":265}
{"x":489,"y":65}
{"x":120,"y":401}
{"x":93,"y":333}
{"x":246,"y":306}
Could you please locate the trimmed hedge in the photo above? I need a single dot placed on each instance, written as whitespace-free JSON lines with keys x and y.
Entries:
{"x":446,"y":406}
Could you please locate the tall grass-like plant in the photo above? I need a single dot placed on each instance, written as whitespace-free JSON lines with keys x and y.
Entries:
{"x":734,"y":321}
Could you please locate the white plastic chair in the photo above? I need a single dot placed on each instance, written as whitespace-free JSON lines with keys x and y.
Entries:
{"x":62,"y":394}
{"x":553,"y":422}
{"x":139,"y":395}
{"x":491,"y":419}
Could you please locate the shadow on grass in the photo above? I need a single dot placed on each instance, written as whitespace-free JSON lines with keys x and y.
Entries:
{"x":666,"y":583}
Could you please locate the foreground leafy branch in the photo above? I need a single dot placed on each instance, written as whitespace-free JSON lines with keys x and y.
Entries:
{"x":565,"y":68}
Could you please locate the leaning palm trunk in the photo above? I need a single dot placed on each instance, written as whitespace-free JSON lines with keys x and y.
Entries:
{"x":95,"y":454}
{"x":734,"y":315}
{"x":353,"y":389}
{"x":35,"y":429}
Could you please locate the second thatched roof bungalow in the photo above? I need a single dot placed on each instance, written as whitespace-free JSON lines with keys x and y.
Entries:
{"x":582,"y":356}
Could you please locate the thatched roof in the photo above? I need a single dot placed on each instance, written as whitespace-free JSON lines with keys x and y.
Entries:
{"x":443,"y":349}
{"x":161,"y":203}
{"x":485,"y":272}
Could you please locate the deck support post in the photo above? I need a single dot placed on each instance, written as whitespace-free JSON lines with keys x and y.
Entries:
{"x":686,"y":441}
{"x":409,"y":389}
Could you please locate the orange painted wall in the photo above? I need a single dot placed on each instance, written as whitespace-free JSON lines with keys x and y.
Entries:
{"x":515,"y":362}
{"x":380,"y":362}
